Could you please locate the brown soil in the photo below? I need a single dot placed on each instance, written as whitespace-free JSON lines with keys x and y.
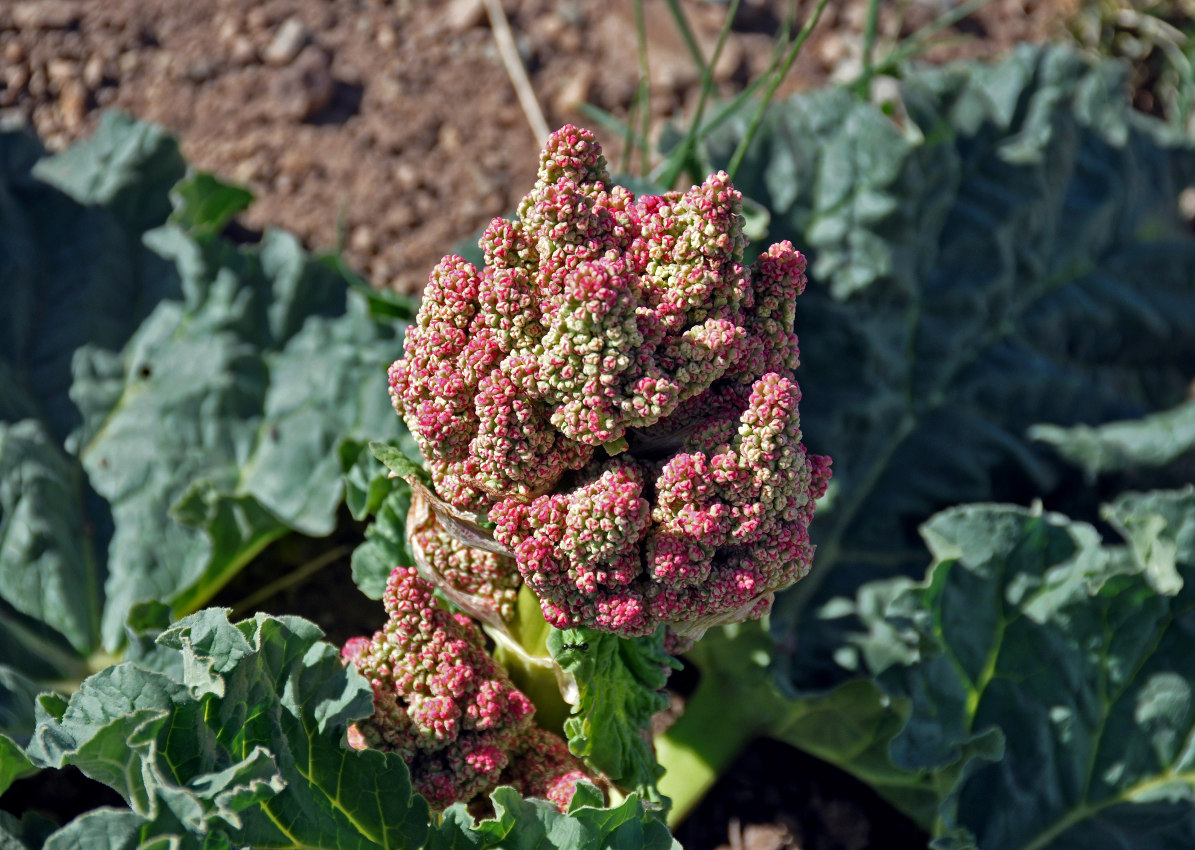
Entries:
{"x":393,"y":129}
{"x":393,"y":126}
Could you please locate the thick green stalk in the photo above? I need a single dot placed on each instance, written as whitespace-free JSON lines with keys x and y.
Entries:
{"x":734,"y":703}
{"x":702,"y":744}
{"x":523,"y":651}
{"x":737,"y":701}
{"x":200,"y":593}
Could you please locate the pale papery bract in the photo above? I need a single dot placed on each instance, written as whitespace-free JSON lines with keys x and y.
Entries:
{"x":487,"y":575}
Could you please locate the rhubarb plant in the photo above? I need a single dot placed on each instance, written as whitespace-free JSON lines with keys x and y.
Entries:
{"x":588,"y":466}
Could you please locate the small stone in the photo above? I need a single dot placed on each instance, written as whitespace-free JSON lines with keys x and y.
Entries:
{"x":288,"y":41}
{"x":93,"y":71}
{"x":406,"y":176}
{"x":574,"y":92}
{"x":389,"y":86}
{"x":449,"y":139}
{"x":462,"y":15}
{"x":201,"y":69}
{"x":73,"y":103}
{"x":228,"y":29}
{"x":37,"y":85}
{"x":14,"y":53}
{"x":570,"y":41}
{"x":242,"y":51}
{"x":730,"y":60}
{"x":550,"y":27}
{"x":386,"y":38}
{"x":16,"y":77}
{"x":362,"y":240}
{"x":45,"y":14}
{"x":303,"y":88}
{"x":1186,"y":203}
{"x":61,"y":70}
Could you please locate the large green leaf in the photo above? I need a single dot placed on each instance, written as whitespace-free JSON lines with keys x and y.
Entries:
{"x":521,"y":824}
{"x":14,"y":764}
{"x":247,"y":746}
{"x":27,"y":833}
{"x":1010,"y":254}
{"x":620,"y":685}
{"x":737,"y":700}
{"x":1070,"y":651}
{"x":229,"y":409}
{"x":75,"y":273}
{"x":169,"y":402}
{"x":371,"y":491}
{"x":1163,"y":439}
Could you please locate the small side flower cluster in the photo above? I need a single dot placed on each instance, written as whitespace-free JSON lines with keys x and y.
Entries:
{"x":629,"y":325}
{"x":448,"y":708}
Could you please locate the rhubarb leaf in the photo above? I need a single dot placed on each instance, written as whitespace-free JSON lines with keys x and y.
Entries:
{"x":247,"y":746}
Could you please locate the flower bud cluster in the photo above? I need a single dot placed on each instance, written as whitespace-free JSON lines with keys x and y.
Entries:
{"x":595,"y":312}
{"x":449,"y":709}
{"x":472,"y":571}
{"x":704,"y":537}
{"x":632,"y":327}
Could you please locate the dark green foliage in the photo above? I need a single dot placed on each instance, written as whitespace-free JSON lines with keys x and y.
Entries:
{"x":620,"y":685}
{"x":169,"y":402}
{"x":1050,"y":676}
{"x":246,"y":746}
{"x":1012,"y":255}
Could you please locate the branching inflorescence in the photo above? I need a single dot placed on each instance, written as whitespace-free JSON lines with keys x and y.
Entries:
{"x":449,"y":709}
{"x":614,"y":394}
{"x":616,"y":390}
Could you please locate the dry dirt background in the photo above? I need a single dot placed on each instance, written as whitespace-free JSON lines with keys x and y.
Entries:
{"x":392,"y":127}
{"x":394,"y":123}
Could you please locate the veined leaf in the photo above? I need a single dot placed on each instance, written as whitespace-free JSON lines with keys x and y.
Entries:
{"x":203,"y":205}
{"x":520,"y":824}
{"x":169,"y":402}
{"x":1029,"y":628}
{"x":247,"y":747}
{"x":27,"y":833}
{"x":1010,"y":255}
{"x":14,"y":764}
{"x":371,"y":491}
{"x":1153,"y":441}
{"x":620,"y":685}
